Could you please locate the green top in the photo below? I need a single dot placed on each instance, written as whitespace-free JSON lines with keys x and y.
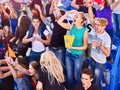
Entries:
{"x":78,"y":40}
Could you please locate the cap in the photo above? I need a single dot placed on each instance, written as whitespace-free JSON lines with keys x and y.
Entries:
{"x":99,"y":1}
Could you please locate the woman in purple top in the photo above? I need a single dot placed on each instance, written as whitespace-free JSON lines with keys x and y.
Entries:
{"x":104,"y":11}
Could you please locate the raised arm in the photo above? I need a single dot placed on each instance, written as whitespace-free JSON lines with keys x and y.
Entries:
{"x":42,"y":14}
{"x":114,"y":5}
{"x":51,"y":10}
{"x":62,"y":24}
{"x":90,"y":13}
{"x":14,"y":72}
{"x":74,"y":5}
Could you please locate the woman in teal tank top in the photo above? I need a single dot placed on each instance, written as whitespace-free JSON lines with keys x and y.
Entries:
{"x":74,"y":54}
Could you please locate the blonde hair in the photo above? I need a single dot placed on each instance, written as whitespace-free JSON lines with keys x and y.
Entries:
{"x":102,"y":21}
{"x":83,"y":17}
{"x":53,"y":66}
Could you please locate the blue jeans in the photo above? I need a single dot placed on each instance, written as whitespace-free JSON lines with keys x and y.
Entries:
{"x":116,"y":20}
{"x":98,"y":71}
{"x":35,"y":56}
{"x":74,"y":65}
{"x":60,"y":54}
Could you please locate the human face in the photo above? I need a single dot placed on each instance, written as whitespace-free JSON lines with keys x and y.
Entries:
{"x":77,"y":19}
{"x":98,"y":28}
{"x":6,"y":29}
{"x":36,"y":23}
{"x":32,"y":71}
{"x":86,"y":80}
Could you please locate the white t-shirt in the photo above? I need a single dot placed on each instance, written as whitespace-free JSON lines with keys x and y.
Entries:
{"x":96,"y":53}
{"x":38,"y":46}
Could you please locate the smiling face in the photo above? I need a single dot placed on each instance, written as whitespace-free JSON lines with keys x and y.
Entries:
{"x":36,"y":23}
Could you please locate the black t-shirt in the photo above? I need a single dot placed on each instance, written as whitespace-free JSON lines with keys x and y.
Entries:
{"x":57,"y":39}
{"x":43,"y":77}
{"x":85,"y":9}
{"x":80,"y":87}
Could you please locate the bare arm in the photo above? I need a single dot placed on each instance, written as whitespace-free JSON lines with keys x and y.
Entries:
{"x":14,"y":72}
{"x":2,"y":61}
{"x":19,"y":1}
{"x":105,"y":50}
{"x":74,"y":5}
{"x":41,"y":12}
{"x":114,"y":5}
{"x":90,"y":13}
{"x":62,"y":24}
{"x":51,"y":8}
{"x":47,"y":41}
{"x":85,"y":42}
{"x":4,"y":68}
{"x":27,"y":40}
{"x":66,"y":25}
{"x":5,"y":13}
{"x":4,"y":75}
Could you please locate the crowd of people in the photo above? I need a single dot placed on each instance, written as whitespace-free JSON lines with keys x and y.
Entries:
{"x":35,"y":30}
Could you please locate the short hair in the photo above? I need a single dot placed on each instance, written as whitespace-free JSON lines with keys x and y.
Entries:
{"x":102,"y":21}
{"x":23,"y":62}
{"x":88,"y":72}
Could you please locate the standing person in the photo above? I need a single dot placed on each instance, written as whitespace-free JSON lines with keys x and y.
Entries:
{"x":57,"y":38}
{"x":100,"y":49}
{"x":33,"y":72}
{"x":38,"y":37}
{"x":51,"y":75}
{"x":6,"y":38}
{"x":116,"y":20}
{"x":87,"y":76}
{"x":84,"y":8}
{"x":23,"y":25}
{"x":19,"y":69}
{"x":6,"y":79}
{"x":74,"y":54}
{"x":104,"y":7}
{"x":5,"y":15}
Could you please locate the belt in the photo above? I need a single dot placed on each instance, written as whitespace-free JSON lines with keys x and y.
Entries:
{"x":57,"y":48}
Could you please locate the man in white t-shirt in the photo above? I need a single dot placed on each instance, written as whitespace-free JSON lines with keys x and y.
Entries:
{"x":100,"y":48}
